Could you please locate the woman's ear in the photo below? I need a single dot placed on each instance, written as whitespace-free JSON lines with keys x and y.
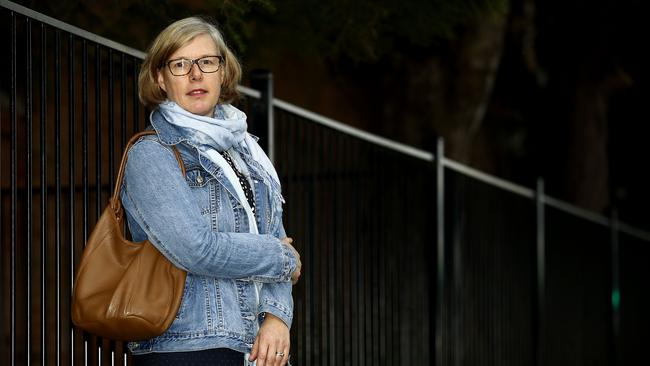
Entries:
{"x":161,"y":81}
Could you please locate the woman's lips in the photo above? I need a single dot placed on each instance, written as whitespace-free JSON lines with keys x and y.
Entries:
{"x":196,"y":92}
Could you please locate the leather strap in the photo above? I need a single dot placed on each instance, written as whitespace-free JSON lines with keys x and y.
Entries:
{"x":120,"y":173}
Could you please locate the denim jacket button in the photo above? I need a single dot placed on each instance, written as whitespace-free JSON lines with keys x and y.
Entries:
{"x":199,"y":179}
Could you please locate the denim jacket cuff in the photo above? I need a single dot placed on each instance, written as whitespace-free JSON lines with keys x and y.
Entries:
{"x":277,"y":309}
{"x":289,"y":262}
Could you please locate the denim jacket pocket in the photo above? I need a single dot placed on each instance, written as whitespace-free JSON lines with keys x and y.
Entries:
{"x":227,"y":295}
{"x":197,"y":177}
{"x":194,"y":309}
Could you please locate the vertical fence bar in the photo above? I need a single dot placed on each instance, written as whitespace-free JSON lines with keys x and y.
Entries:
{"x":57,"y":118}
{"x":84,"y":170}
{"x":335,"y":246}
{"x":314,"y":259}
{"x":389,"y":349}
{"x":329,"y":278}
{"x":440,"y":244}
{"x":310,"y":293}
{"x":359,"y":261}
{"x":14,"y":137}
{"x":84,"y":138}
{"x":98,"y":118}
{"x":353,"y":211}
{"x":111,"y":115}
{"x":71,"y":183}
{"x":367,"y":281}
{"x":540,"y":263}
{"x":122,"y":104}
{"x":267,"y":97}
{"x":43,"y":150}
{"x":90,"y":344}
{"x":29,"y":180}
{"x":136,"y":104}
{"x":374,"y":280}
{"x":349,"y":215}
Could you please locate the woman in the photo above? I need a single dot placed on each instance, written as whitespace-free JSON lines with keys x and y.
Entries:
{"x":222,"y":221}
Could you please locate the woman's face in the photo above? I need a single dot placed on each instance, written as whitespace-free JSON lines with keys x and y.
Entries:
{"x":196,"y":92}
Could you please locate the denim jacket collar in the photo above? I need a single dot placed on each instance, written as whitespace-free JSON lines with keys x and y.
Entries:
{"x":168,"y":133}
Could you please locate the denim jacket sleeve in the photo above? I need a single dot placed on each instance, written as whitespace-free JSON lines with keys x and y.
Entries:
{"x":158,"y":199}
{"x":275,"y":298}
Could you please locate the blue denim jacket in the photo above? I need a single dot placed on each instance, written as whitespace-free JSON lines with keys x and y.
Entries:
{"x":233,"y":276}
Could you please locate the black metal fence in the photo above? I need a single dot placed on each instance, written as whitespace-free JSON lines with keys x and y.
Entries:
{"x":68,"y":106}
{"x":363,"y":218}
{"x":408,"y":260}
{"x":491,"y":286}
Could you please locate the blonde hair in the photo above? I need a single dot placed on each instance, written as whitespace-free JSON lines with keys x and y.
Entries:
{"x":170,"y":40}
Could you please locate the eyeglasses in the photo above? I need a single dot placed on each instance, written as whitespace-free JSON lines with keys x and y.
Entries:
{"x":183,"y":66}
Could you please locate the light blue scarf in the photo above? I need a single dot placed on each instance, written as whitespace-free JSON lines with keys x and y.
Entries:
{"x":226,"y":131}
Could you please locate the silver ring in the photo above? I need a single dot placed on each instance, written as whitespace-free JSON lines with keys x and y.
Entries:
{"x":279,"y":354}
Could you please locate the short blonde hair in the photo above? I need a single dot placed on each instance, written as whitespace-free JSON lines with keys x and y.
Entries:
{"x":170,"y":40}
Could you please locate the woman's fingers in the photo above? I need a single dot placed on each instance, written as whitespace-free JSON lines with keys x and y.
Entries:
{"x":296,"y":273}
{"x":273,"y":341}
{"x":295,"y":276}
{"x":255,"y":350}
{"x":283,"y":357}
{"x":270,"y":352}
{"x":277,"y":355}
{"x":263,"y":355}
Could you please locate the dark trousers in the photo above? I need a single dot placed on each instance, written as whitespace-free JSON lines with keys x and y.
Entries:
{"x":212,"y":357}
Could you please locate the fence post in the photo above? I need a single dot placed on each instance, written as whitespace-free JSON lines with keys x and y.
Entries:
{"x":440,"y":250}
{"x":262,"y":111}
{"x":540,"y":268}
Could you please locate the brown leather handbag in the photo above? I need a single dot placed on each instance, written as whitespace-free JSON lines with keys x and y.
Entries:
{"x":124,"y":290}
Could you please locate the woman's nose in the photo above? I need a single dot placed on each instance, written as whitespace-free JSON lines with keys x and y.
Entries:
{"x":195,"y":72}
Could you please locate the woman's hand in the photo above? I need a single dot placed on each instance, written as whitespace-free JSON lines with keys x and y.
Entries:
{"x":296,"y":274}
{"x":272,"y":345}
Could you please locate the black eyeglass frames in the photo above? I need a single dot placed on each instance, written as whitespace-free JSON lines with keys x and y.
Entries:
{"x":183,"y":66}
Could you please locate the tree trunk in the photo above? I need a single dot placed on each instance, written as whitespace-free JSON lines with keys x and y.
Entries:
{"x":476,"y":61}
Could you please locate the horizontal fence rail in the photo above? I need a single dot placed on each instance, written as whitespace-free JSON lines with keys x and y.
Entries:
{"x":313,"y":117}
{"x":410,"y":258}
{"x":352,"y":131}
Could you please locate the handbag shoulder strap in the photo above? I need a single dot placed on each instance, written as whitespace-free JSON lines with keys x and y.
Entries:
{"x":120,"y":173}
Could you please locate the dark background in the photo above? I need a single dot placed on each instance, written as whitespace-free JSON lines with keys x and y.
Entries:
{"x":520,"y":89}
